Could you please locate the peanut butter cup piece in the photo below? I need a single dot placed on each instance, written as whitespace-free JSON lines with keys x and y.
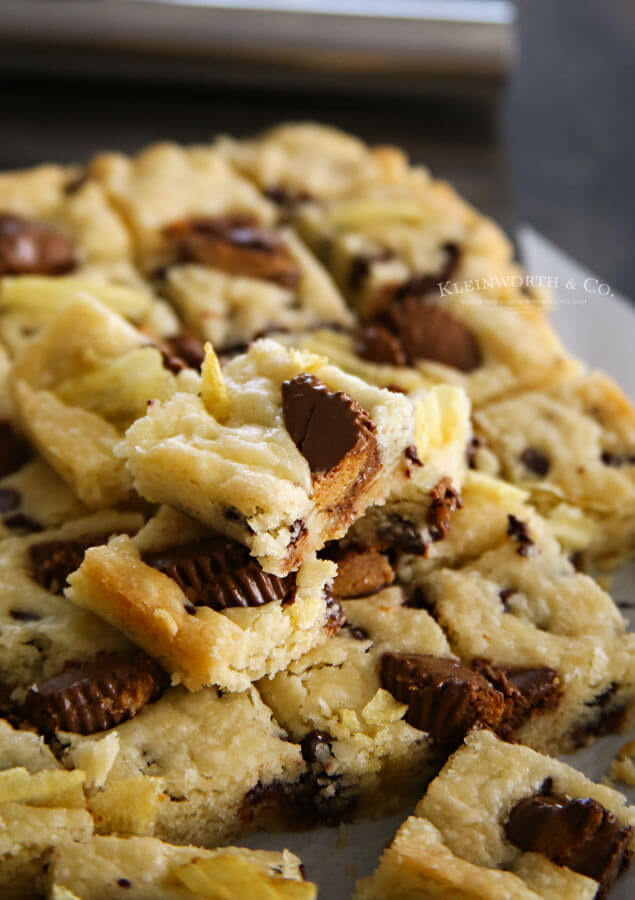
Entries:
{"x":445,"y":500}
{"x":53,"y":561}
{"x":326,"y":426}
{"x":376,"y":344}
{"x":444,"y":698}
{"x":578,"y":833}
{"x":31,"y":248}
{"x":182,"y":351}
{"x":219,"y":573}
{"x":425,"y":330}
{"x":237,"y":245}
{"x":14,"y":450}
{"x":93,"y":697}
{"x":526,"y":690}
{"x":362,"y":572}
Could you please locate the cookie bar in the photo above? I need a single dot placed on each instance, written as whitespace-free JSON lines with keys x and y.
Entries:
{"x":41,"y":631}
{"x":78,"y":386}
{"x":34,"y":498}
{"x":282,"y":452}
{"x":420,"y":508}
{"x":210,"y":241}
{"x":141,"y":868}
{"x":502,"y":820}
{"x":573,"y":444}
{"x":528,"y":608}
{"x":28,"y":836}
{"x":197,"y":768}
{"x":376,"y":217}
{"x":198,"y":603}
{"x":380,"y":705}
{"x":489,"y":350}
{"x":362,"y":754}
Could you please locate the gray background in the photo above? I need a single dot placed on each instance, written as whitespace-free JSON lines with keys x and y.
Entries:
{"x":556,"y":149}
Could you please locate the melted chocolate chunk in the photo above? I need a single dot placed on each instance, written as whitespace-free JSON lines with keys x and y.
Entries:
{"x":445,"y":500}
{"x":427,"y":331}
{"x":362,"y":572}
{"x":235,"y":244}
{"x":519,"y":531}
{"x":21,"y":522}
{"x":14,"y":450}
{"x":608,"y":717}
{"x":94,"y":697}
{"x":526,"y":690}
{"x":53,"y":561}
{"x":359,"y":634}
{"x":444,"y":698}
{"x":9,"y":500}
{"x":376,"y":344}
{"x":31,"y":248}
{"x":182,"y":351}
{"x":220,"y":573}
{"x":316,"y":747}
{"x":578,"y":833}
{"x":325,"y":426}
{"x":536,"y":461}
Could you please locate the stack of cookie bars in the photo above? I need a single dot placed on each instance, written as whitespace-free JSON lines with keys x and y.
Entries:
{"x":301,"y":503}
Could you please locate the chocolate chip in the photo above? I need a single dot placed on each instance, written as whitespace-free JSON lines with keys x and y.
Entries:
{"x":401,"y":534}
{"x":124,"y":883}
{"x":444,"y":501}
{"x":412,"y":455}
{"x":182,"y":351}
{"x":519,"y":531}
{"x":615,"y":460}
{"x":362,"y":263}
{"x":53,"y":561}
{"x":9,"y":499}
{"x":237,"y":245}
{"x":23,"y":615}
{"x":325,"y":426}
{"x":470,"y":451}
{"x":535,"y":461}
{"x":31,"y":248}
{"x":94,"y":697}
{"x":359,"y":634}
{"x":283,"y":196}
{"x":14,"y":450}
{"x":316,"y":747}
{"x":577,"y":833}
{"x":420,"y":599}
{"x":526,"y":690}
{"x":427,"y":331}
{"x":20,"y":522}
{"x":220,"y":573}
{"x":444,"y":698}
{"x":362,"y":572}
{"x":420,"y":285}
{"x":376,"y":344}
{"x":504,"y":596}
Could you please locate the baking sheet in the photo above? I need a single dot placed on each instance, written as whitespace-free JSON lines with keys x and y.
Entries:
{"x":598,"y":326}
